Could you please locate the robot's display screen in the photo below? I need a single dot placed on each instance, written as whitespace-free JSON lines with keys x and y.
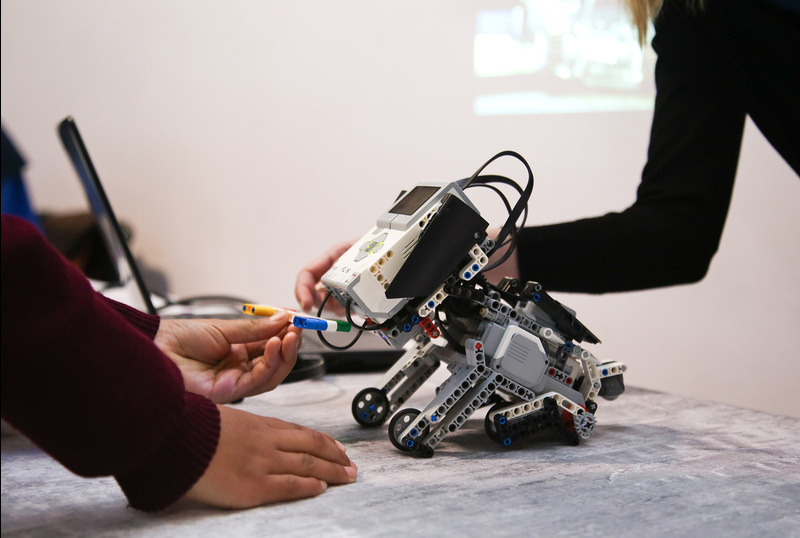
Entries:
{"x":413,"y":200}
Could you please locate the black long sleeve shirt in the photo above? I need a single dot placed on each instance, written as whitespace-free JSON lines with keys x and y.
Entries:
{"x":732,"y":59}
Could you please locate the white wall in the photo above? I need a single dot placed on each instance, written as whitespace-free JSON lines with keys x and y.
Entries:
{"x":240,"y":139}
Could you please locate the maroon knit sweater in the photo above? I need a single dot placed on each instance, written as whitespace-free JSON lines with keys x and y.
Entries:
{"x":82,"y":378}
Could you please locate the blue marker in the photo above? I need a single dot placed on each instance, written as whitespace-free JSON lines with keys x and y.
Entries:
{"x":318,"y":324}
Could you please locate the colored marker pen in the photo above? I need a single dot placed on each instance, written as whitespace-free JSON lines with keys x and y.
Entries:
{"x":318,"y":324}
{"x":263,"y":310}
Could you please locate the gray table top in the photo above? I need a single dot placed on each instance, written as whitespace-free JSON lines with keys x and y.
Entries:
{"x":656,"y":465}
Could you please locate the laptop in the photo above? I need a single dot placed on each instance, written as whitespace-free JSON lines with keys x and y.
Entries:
{"x":129,"y":286}
{"x":129,"y":283}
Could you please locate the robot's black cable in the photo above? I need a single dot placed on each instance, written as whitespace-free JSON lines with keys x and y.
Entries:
{"x":324,"y":340}
{"x":206,"y":299}
{"x":349,"y":316}
{"x":507,"y":254}
{"x":486,"y":180}
{"x":522,"y":203}
{"x":512,"y":239}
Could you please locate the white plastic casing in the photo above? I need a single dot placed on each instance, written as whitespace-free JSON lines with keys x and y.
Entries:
{"x":366,"y":270}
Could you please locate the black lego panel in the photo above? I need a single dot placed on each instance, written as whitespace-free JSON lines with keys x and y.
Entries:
{"x":444,"y":244}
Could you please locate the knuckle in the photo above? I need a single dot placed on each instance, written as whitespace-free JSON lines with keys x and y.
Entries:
{"x":317,"y":438}
{"x":292,"y":484}
{"x":307,"y":461}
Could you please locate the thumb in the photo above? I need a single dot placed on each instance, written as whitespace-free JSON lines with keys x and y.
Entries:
{"x":242,"y":331}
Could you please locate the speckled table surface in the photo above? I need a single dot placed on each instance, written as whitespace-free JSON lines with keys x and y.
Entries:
{"x":656,"y":465}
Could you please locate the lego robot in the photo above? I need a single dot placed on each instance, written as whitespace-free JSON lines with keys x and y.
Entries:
{"x":416,"y":279}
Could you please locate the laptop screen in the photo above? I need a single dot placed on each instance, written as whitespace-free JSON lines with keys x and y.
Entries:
{"x":127,"y":271}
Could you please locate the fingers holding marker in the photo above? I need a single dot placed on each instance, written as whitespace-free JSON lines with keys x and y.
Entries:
{"x":303,"y":322}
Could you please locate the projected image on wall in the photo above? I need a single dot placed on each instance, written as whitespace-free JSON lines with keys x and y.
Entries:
{"x":560,"y":56}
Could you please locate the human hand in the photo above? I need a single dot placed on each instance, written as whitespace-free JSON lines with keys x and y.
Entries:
{"x":509,"y":268}
{"x":261,"y":460}
{"x":308,"y":288}
{"x":225,"y":360}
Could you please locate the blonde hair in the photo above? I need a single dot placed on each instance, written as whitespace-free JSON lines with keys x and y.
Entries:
{"x":643,"y":11}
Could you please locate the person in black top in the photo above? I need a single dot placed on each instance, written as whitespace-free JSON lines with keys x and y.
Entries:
{"x":716,"y":65}
{"x":718,"y":62}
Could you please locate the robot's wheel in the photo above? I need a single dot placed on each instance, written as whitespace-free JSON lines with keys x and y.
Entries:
{"x":400,"y":422}
{"x":370,"y":407}
{"x":491,"y":429}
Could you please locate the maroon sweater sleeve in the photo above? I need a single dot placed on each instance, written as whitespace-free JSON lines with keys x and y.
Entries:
{"x":146,"y":323}
{"x":82,"y":378}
